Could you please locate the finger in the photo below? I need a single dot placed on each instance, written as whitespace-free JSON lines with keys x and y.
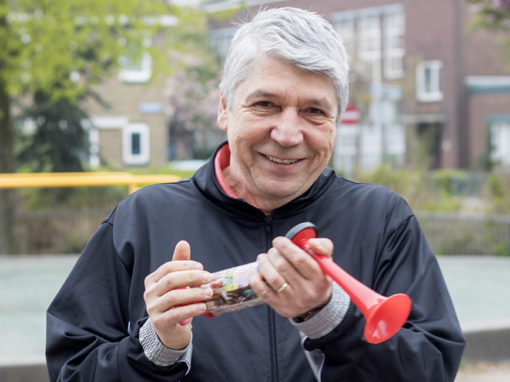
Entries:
{"x":301,"y":261}
{"x":189,"y":296}
{"x":170,"y":267}
{"x":182,"y":251}
{"x":176,"y":280}
{"x":181,"y":315}
{"x":177,"y":298}
{"x":286,"y":303}
{"x":180,"y":261}
{"x":321,"y":246}
{"x":262,"y":288}
{"x":278,"y":270}
{"x":268,"y":264}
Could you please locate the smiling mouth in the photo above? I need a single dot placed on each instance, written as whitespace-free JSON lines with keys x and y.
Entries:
{"x":282,"y":161}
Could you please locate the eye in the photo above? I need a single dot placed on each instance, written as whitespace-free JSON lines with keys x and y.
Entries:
{"x":316,"y":115}
{"x":316,"y":111}
{"x":265,"y":106}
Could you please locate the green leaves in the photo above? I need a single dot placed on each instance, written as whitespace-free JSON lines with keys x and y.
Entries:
{"x":71,"y":43}
{"x":492,"y":14}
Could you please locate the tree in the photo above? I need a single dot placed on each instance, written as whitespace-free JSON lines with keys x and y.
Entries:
{"x":494,"y":15}
{"x":55,"y":51}
{"x":192,"y":92}
{"x":192,"y":102}
{"x":57,"y":142}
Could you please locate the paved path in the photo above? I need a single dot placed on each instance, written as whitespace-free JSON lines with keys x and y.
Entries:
{"x":27,"y":285}
{"x":484,"y":372}
{"x":480,"y":289}
{"x":479,"y":286}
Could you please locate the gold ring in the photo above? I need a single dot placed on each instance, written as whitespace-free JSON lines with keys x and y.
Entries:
{"x":280,"y":290}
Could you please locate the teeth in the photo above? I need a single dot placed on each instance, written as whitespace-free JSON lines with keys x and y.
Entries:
{"x":281,"y":161}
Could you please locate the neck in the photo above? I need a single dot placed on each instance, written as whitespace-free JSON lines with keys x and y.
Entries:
{"x":231,"y":186}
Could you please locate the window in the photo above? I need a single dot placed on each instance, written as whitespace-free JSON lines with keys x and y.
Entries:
{"x":369,"y":46}
{"x":346,"y":149}
{"x":369,"y":38}
{"x":378,"y":35}
{"x":345,"y":29}
{"x":94,"y":159}
{"x":139,"y":71}
{"x":395,"y":143}
{"x":499,"y":133}
{"x":136,"y":148}
{"x":371,"y":148}
{"x":394,"y":29}
{"x":135,"y":144}
{"x":428,"y":81}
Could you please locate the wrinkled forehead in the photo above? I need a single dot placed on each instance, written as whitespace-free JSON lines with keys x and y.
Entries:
{"x":272,"y":65}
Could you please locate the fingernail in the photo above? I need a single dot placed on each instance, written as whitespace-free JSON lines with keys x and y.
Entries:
{"x":319,"y":245}
{"x":185,"y":322}
{"x":277,"y":240}
{"x":208,"y":292}
{"x":206,"y":277}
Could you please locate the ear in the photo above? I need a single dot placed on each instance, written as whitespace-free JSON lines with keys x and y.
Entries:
{"x":221,"y":120}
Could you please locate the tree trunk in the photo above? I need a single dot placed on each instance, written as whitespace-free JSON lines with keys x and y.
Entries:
{"x":7,"y":197}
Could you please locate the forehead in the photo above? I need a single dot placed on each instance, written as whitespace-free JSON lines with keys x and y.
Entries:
{"x":273,"y":78}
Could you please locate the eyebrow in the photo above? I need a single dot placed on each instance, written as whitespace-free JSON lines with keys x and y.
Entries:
{"x":261,"y":93}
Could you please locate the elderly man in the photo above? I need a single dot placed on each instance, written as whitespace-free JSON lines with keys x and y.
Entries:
{"x":124,"y":313}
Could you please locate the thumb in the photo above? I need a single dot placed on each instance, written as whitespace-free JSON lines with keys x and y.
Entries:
{"x":182,"y":251}
{"x":321,"y":246}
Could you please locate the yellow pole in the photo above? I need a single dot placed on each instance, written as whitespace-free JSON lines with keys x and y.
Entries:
{"x":78,"y":179}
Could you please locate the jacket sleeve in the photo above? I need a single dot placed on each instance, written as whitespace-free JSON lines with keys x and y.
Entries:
{"x":430,"y":344}
{"x":89,"y":336}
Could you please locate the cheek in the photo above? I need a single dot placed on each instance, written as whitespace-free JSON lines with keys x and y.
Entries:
{"x":324,"y":140}
{"x":247,"y":131}
{"x":333,"y":135}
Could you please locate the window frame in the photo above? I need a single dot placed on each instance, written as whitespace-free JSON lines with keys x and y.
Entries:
{"x":394,"y":32}
{"x":499,"y":146}
{"x":128,"y":157}
{"x":136,"y":73}
{"x":429,"y":92}
{"x":345,"y":26}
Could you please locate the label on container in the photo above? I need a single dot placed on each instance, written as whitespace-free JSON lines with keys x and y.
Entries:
{"x":232,"y":290}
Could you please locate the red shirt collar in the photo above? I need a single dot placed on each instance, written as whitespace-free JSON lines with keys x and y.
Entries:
{"x":221,"y":162}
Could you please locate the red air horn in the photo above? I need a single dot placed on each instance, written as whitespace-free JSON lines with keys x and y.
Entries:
{"x":384,"y":315}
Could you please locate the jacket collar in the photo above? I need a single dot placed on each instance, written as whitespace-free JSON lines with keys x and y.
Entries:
{"x":209,"y":184}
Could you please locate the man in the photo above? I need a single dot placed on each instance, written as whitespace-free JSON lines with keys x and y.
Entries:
{"x":124,"y":314}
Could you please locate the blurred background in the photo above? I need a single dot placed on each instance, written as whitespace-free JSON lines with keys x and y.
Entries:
{"x":130,"y":87}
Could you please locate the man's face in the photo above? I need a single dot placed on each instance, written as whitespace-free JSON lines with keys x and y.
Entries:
{"x":281,"y":130}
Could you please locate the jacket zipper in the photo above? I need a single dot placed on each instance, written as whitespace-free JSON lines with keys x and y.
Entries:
{"x":270,"y":312}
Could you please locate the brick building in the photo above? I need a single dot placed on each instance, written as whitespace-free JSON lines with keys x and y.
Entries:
{"x":419,"y":72}
{"x":131,"y":130}
{"x":135,"y":125}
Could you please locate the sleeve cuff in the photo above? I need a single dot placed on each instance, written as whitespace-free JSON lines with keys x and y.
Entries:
{"x":328,"y":318}
{"x":157,"y":352}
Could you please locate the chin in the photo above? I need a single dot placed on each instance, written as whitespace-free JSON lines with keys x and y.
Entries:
{"x":283,"y":193}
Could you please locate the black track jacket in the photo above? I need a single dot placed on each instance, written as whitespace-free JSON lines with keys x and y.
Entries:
{"x":93,"y":322}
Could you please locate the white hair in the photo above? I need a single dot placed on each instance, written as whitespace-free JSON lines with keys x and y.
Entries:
{"x":300,"y":37}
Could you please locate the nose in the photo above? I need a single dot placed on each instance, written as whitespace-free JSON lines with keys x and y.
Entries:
{"x":287,"y":129}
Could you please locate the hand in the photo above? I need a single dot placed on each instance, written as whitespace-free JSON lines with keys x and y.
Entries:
{"x":290,"y":280}
{"x":169,"y":301}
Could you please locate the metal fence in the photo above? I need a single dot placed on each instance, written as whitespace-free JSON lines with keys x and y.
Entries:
{"x":67,"y":231}
{"x":56,"y":231}
{"x":461,"y":234}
